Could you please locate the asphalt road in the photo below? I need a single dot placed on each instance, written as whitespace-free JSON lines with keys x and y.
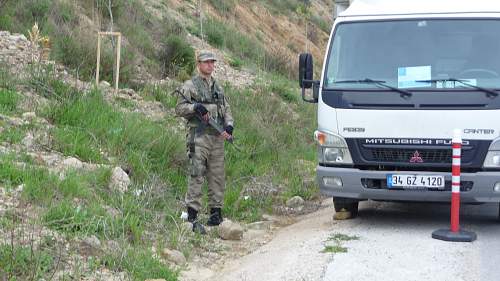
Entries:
{"x":395,"y":244}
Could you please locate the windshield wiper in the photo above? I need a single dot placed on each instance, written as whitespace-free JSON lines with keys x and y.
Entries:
{"x":403,"y":93}
{"x":489,"y":92}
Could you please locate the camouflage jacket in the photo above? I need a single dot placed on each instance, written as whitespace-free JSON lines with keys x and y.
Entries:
{"x":208,"y":93}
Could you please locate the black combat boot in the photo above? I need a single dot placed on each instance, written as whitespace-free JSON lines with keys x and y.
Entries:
{"x":215,"y":217}
{"x":192,"y":218}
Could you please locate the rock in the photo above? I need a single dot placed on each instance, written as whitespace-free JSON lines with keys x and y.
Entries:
{"x":19,"y":37}
{"x":119,"y":180}
{"x":229,"y":230}
{"x":174,"y":256}
{"x":89,"y":246}
{"x":71,"y":163}
{"x":28,"y":141}
{"x":14,"y":121}
{"x":92,"y":241}
{"x":253,"y":234}
{"x":186,"y":227}
{"x":29,"y":116}
{"x":260,"y":225}
{"x":112,"y":246}
{"x":114,"y":213}
{"x":128,"y":92}
{"x":295,"y":202}
{"x":104,"y":84}
{"x":267,"y":217}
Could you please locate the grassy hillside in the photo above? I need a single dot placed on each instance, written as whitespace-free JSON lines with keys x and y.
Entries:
{"x":155,"y":33}
{"x":48,"y":215}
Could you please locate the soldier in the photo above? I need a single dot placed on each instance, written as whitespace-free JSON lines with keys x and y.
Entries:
{"x":203,"y":96}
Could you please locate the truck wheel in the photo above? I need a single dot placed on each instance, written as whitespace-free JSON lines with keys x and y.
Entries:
{"x":498,"y":217}
{"x":347,"y":204}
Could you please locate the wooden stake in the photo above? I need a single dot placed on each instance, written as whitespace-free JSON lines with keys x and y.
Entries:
{"x":98,"y":59}
{"x":118,"y":55}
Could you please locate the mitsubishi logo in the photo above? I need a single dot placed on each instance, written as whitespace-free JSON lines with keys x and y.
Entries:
{"x":416,"y":158}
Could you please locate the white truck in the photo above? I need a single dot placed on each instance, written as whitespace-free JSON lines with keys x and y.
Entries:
{"x":399,"y":76}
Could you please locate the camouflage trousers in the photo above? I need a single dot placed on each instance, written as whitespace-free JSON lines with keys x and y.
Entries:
{"x":207,"y":160}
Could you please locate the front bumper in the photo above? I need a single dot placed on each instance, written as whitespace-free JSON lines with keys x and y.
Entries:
{"x":354,"y":187}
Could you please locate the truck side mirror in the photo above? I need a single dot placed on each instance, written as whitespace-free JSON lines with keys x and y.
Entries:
{"x":306,"y":70}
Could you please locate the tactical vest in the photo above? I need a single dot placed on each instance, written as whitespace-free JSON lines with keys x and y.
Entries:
{"x":214,"y":95}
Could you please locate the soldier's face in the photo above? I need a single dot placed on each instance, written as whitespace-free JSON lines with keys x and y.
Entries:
{"x":206,"y":67}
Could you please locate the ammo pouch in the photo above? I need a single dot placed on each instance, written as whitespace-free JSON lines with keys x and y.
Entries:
{"x":190,"y":142}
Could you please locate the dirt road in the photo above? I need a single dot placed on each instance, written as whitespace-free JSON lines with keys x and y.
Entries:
{"x":394,"y":244}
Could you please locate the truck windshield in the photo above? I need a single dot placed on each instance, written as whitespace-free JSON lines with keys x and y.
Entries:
{"x":415,"y":54}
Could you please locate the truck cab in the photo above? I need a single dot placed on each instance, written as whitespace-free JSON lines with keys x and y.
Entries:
{"x":398,"y":78}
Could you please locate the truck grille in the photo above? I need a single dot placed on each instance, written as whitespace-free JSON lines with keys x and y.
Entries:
{"x":382,"y":156}
{"x":404,"y":155}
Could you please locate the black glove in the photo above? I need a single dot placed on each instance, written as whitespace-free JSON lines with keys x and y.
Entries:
{"x":229,"y":129}
{"x":200,"y":109}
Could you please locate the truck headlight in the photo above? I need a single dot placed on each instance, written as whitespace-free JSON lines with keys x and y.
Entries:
{"x":332,"y":148}
{"x":492,"y":159}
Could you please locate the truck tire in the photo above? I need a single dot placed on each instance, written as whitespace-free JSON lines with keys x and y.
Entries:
{"x":348,"y":204}
{"x":498,"y":215}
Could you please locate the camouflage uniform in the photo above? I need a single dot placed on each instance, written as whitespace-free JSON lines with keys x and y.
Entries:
{"x":205,"y":146}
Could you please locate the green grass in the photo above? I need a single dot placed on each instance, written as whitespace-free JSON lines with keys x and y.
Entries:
{"x":268,"y":150}
{"x":337,"y":239}
{"x":244,"y":47}
{"x":140,"y":264}
{"x":235,"y":63}
{"x":274,"y":130}
{"x":145,"y":146}
{"x":6,"y":79}
{"x":224,"y":7}
{"x":78,"y":220}
{"x":342,"y":237}
{"x":8,"y":101}
{"x":162,"y":93}
{"x":13,"y":135}
{"x":10,"y":174}
{"x":334,"y":249}
{"x":24,"y":263}
{"x":321,"y":23}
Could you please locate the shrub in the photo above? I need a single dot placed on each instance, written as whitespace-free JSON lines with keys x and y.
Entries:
{"x":223,"y":6}
{"x":283,"y":6}
{"x":215,"y":32}
{"x":321,"y":23}
{"x":177,"y":57}
{"x":235,"y":63}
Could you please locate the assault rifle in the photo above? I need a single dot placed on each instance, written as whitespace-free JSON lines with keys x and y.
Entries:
{"x":211,"y":121}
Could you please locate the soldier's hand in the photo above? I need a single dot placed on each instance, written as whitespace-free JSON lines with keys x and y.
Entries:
{"x":205,"y":117}
{"x":226,"y":136}
{"x":228,"y":133}
{"x":229,"y":129}
{"x":200,"y":109}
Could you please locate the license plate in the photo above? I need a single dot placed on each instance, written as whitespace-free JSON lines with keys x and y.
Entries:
{"x":415,"y":181}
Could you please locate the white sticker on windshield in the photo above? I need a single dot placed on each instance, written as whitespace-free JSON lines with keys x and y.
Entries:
{"x":455,"y":84}
{"x":408,"y":77}
{"x":469,"y":81}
